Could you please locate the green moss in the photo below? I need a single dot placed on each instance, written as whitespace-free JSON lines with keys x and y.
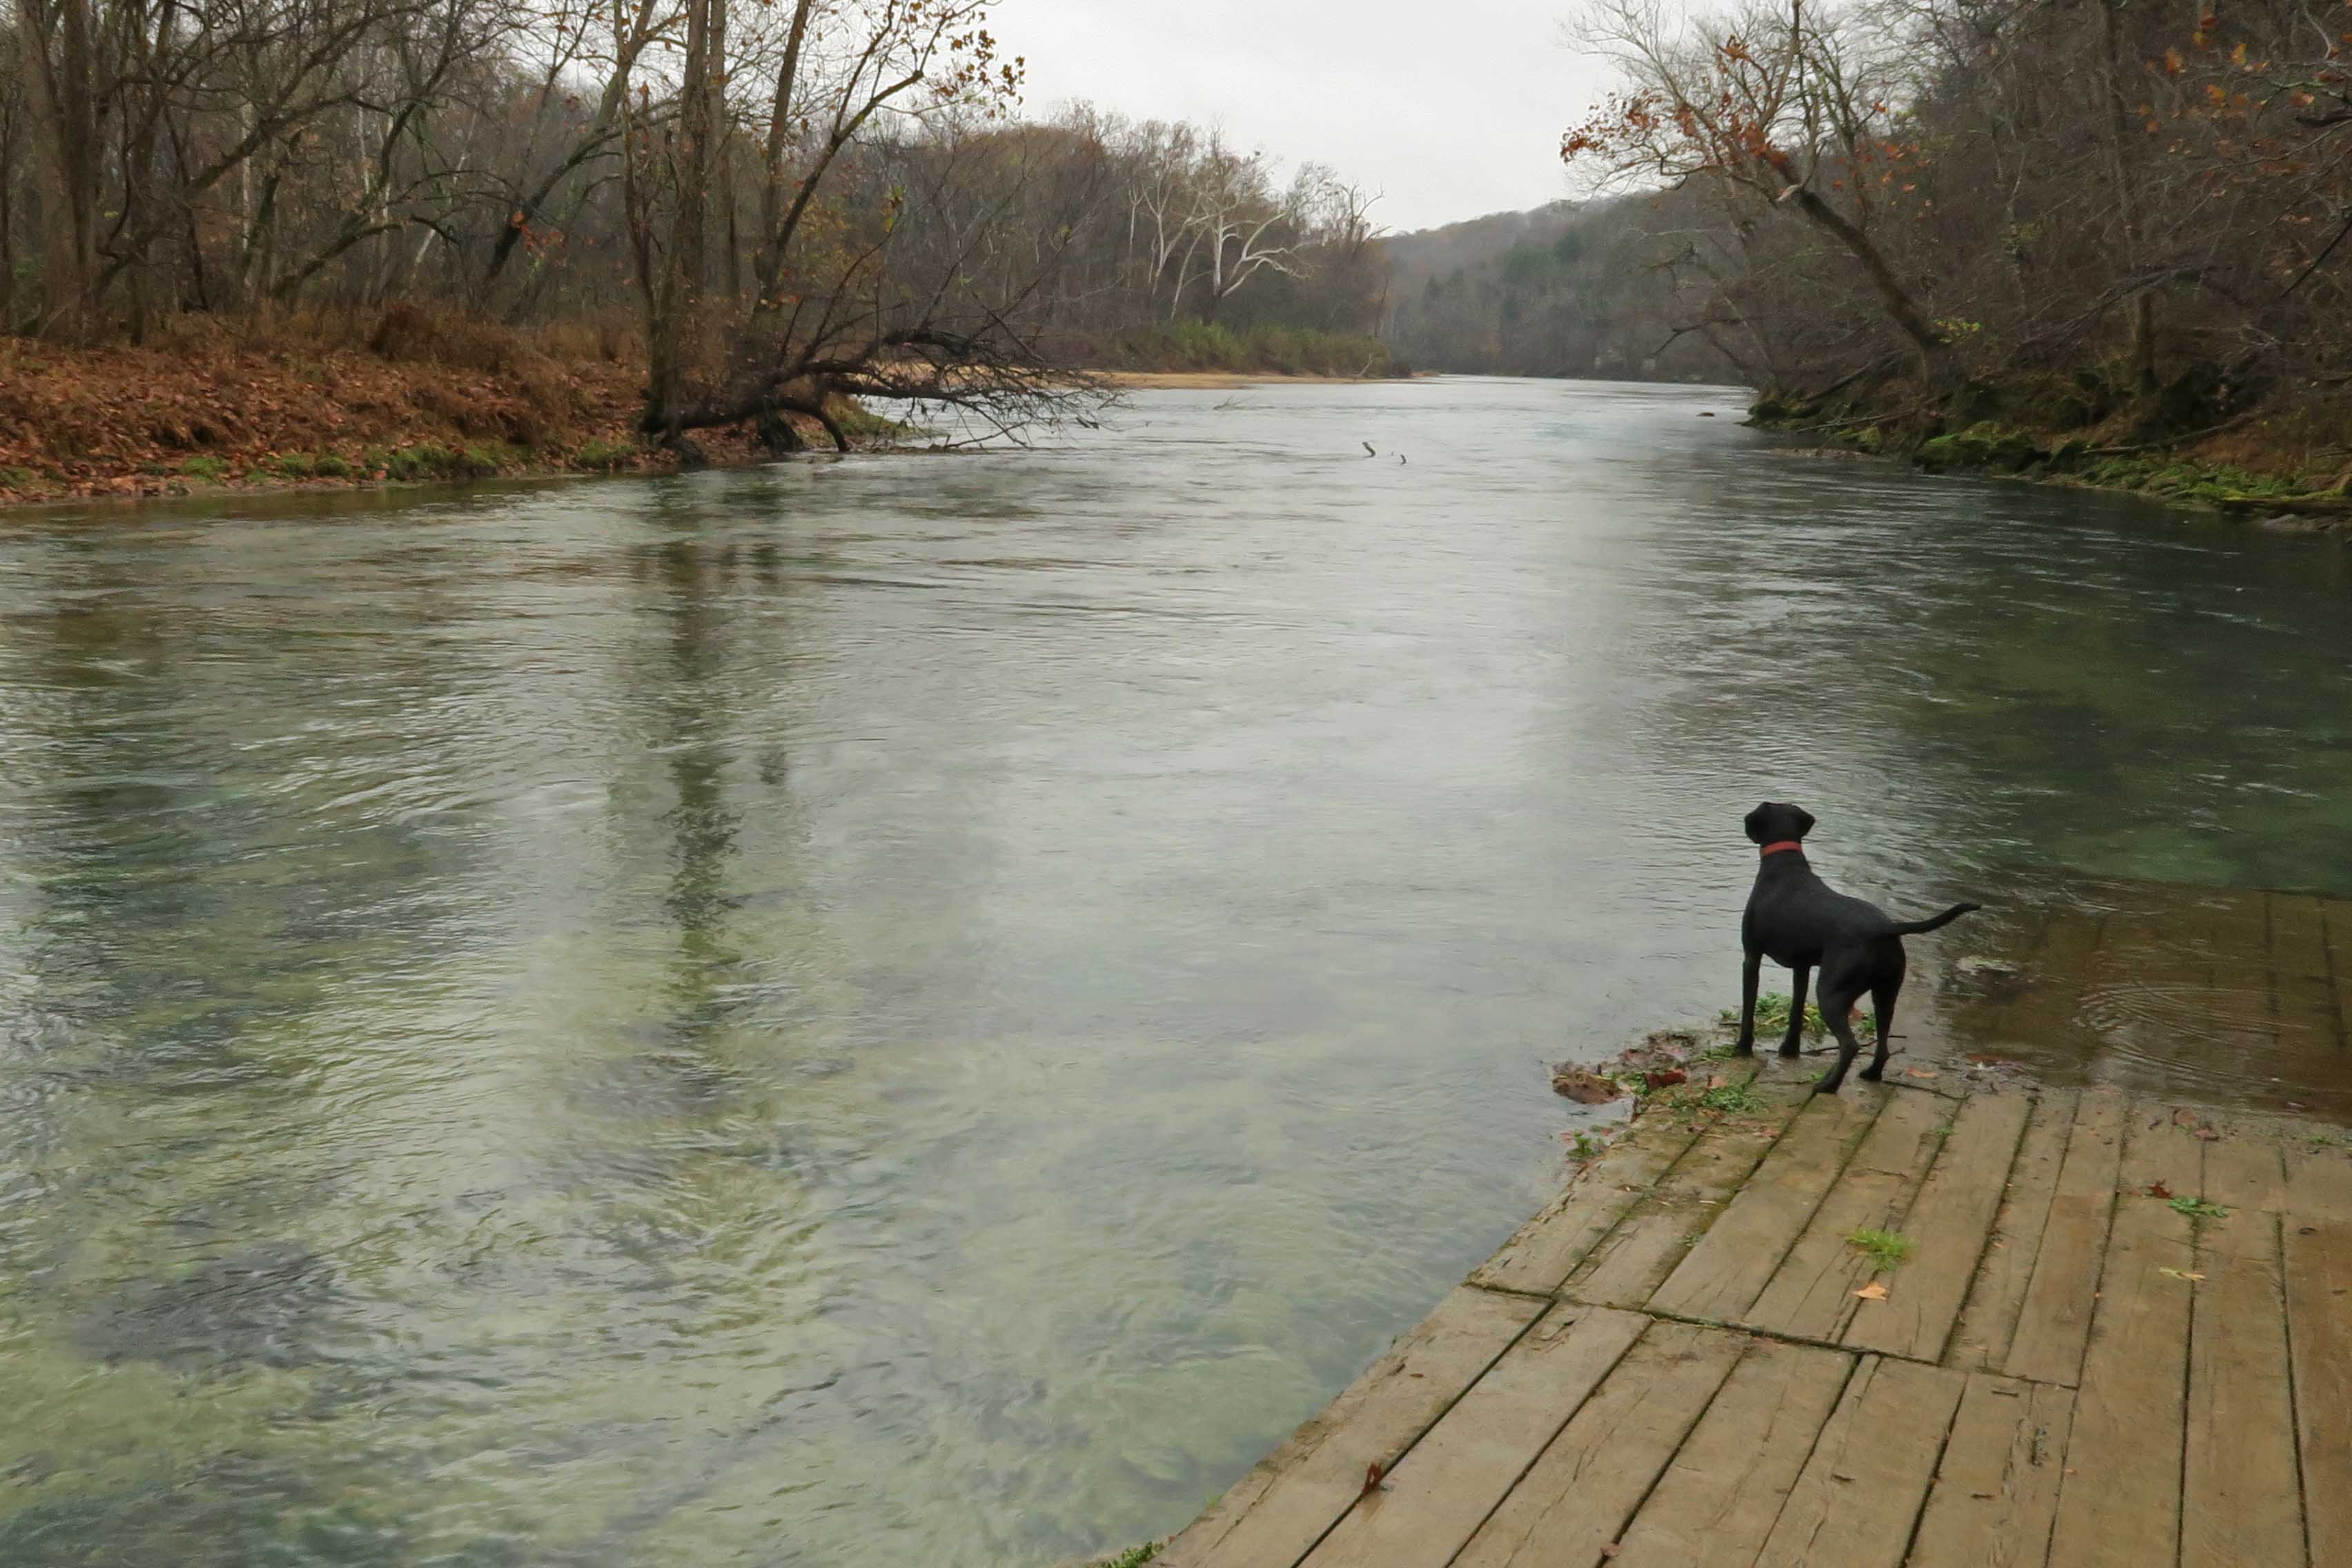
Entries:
{"x":1984,"y":446}
{"x":292,"y":465}
{"x":326,"y":466}
{"x":606,"y":455}
{"x":212,"y":471}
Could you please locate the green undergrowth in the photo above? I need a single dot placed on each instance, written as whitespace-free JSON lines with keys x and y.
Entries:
{"x":2198,"y":1208}
{"x":1284,"y":351}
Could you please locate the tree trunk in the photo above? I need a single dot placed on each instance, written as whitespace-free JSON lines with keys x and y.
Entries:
{"x":62,"y":103}
{"x":1892,"y":294}
{"x":684,"y":272}
{"x":2143,"y":302}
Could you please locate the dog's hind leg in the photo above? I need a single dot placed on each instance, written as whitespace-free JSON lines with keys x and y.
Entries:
{"x":1883,"y":994}
{"x":1793,"y":1041}
{"x":1748,"y":973}
{"x":1839,"y":993}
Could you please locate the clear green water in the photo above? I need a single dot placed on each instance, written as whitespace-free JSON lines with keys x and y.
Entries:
{"x":910,"y":1011}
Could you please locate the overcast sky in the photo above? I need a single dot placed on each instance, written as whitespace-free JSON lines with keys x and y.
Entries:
{"x":1454,"y":109}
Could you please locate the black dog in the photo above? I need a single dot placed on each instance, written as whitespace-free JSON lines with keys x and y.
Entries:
{"x":1793,"y":919}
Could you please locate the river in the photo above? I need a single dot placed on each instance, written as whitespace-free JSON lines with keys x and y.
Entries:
{"x":925,"y":1010}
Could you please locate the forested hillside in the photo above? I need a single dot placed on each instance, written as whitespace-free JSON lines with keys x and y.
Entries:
{"x":2124,"y":222}
{"x":1572,"y":288}
{"x":768,"y":208}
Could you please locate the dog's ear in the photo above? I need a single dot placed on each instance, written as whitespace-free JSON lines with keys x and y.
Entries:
{"x":1754,"y":822}
{"x":1804,"y":820}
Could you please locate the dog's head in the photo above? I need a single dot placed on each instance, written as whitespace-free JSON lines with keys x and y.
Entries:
{"x":1776,"y":822}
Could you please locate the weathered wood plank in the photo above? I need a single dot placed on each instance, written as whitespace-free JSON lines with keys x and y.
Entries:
{"x":2055,"y":971}
{"x":1274,"y":1514}
{"x":1717,"y":1502}
{"x":2302,"y":981}
{"x":1569,"y":1508}
{"x":2121,"y":1499}
{"x":1624,"y":1268}
{"x":1949,"y":1223}
{"x":2336,"y":916}
{"x":1811,"y":1295}
{"x":1542,"y":1253}
{"x":2240,"y":1499}
{"x":2318,"y":1238}
{"x":1997,"y":1294}
{"x":1996,"y":1490}
{"x":1720,"y":1277}
{"x":1860,"y":1494}
{"x":1440,"y":1492}
{"x":2056,"y":1317}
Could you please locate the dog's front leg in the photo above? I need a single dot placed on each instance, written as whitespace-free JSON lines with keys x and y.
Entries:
{"x":1747,"y":975}
{"x":1792,"y":1042}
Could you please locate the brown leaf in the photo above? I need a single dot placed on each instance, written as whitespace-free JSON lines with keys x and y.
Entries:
{"x":1582,"y":1087}
{"x":1664,"y":1078}
{"x":1921,"y":1072}
{"x":2158,"y":1190}
{"x":1874,"y":1291}
{"x":1373,"y":1473}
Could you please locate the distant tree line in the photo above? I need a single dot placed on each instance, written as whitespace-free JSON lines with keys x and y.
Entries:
{"x":2068,"y":212}
{"x":784,"y":203}
{"x":1570,"y":289}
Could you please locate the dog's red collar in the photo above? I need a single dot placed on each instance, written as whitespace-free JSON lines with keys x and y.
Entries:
{"x":1784,"y":844}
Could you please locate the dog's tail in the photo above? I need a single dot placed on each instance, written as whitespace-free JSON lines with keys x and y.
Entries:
{"x":1932,"y":922}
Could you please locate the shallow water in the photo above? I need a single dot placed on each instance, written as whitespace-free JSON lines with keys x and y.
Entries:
{"x":896,"y":1010}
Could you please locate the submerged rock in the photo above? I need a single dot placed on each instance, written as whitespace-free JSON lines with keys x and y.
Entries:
{"x":260,"y":1304}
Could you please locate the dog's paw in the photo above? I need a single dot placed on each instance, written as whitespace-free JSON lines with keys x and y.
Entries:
{"x":1790,"y":1048}
{"x":1874,"y":1073}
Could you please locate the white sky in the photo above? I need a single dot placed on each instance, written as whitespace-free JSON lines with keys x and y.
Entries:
{"x":1453,"y":107}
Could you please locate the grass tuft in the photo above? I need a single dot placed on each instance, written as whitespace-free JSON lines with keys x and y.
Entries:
{"x":1886,"y":1249}
{"x":2198,"y":1208}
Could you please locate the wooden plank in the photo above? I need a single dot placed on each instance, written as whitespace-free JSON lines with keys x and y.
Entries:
{"x":1950,"y":1222}
{"x":2240,"y":1502}
{"x":2336,"y":916}
{"x":1274,"y":1514}
{"x":2302,"y":986}
{"x":1720,"y":1277}
{"x":2044,"y":1012}
{"x":1440,"y":1492}
{"x":1861,"y":1491}
{"x":1542,"y":1253}
{"x":1997,"y":1295}
{"x":2056,"y":1316}
{"x":1717,"y":1502}
{"x":2318,"y":1238}
{"x":1575,"y":1501}
{"x":1996,"y":1490}
{"x":2121,"y":1498}
{"x":1624,"y":1268}
{"x":1811,"y":1295}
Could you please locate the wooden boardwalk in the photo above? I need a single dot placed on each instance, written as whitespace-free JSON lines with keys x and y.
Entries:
{"x":1682,"y":1361}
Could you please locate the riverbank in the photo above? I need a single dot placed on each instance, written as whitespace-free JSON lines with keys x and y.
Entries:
{"x":332,"y":402}
{"x":341,"y":402}
{"x":2290,"y":470}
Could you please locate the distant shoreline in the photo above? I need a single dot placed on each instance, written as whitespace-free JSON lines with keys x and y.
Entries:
{"x":1216,"y":380}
